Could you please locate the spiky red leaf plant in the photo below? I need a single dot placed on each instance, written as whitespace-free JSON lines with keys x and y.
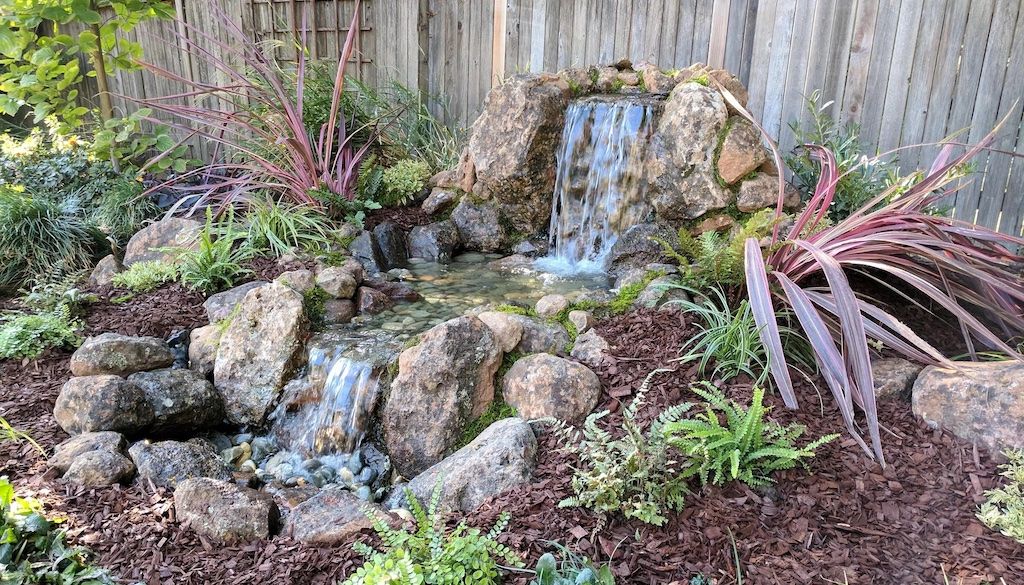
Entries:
{"x":967,"y":270}
{"x":254,"y":120}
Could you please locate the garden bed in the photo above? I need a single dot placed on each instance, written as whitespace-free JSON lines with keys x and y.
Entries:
{"x":844,"y":522}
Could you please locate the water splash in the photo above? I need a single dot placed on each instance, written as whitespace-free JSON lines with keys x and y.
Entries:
{"x":328,"y":410}
{"x":599,"y":184}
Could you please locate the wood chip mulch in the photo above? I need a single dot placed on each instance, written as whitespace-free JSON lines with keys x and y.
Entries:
{"x":845,"y":521}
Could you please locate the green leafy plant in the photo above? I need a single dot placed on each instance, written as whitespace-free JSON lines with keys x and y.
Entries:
{"x":279,"y":227}
{"x":861,"y":177}
{"x":121,"y":210}
{"x":712,"y":258}
{"x":432,"y":554}
{"x":40,"y":236}
{"x":352,"y":210}
{"x":33,"y":549}
{"x":126,"y":140}
{"x":58,"y":290}
{"x":146,"y":276}
{"x":1003,"y":509}
{"x":27,"y":335}
{"x":746,"y":448}
{"x":217,"y":261}
{"x":629,"y":293}
{"x":573,"y":569}
{"x":403,"y":181}
{"x":636,"y":473}
{"x":731,"y":338}
{"x":38,"y":71}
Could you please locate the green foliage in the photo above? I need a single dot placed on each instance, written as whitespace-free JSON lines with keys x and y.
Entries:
{"x":403,"y":181}
{"x":38,"y":71}
{"x":516,"y":310}
{"x":121,"y":210}
{"x":636,"y":473}
{"x":498,"y":410}
{"x":33,"y":550}
{"x":40,"y":236}
{"x":58,"y":290}
{"x":713,"y":259}
{"x":574,"y":569}
{"x":313,"y":301}
{"x":629,"y":293}
{"x":860,"y":178}
{"x":279,"y":227}
{"x":351,"y":210}
{"x":217,"y":262}
{"x":731,"y":338}
{"x":432,"y":554}
{"x":701,"y":80}
{"x":145,"y":276}
{"x":27,"y":335}
{"x":370,"y":184}
{"x":46,"y":164}
{"x":1003,"y":509}
{"x":126,"y":140}
{"x":746,"y":448}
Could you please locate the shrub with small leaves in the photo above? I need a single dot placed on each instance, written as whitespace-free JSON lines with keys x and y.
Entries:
{"x":746,"y":448}
{"x":636,"y":473}
{"x":431,"y":554}
{"x":403,"y":181}
{"x":27,"y":335}
{"x":1003,"y":509}
{"x":145,"y":276}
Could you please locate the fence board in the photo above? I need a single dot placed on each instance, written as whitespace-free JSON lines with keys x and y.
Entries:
{"x":910,"y":71}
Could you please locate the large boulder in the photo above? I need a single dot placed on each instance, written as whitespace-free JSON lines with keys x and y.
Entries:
{"x":741,"y":152}
{"x":391,"y":242}
{"x":330,"y":517}
{"x":120,"y":355}
{"x":638,"y":246}
{"x":480,"y":226}
{"x":507,"y":330}
{"x":591,"y":349}
{"x":225,"y":511}
{"x":156,"y":242}
{"x":221,"y":305}
{"x":758,"y":192}
{"x":442,"y":384}
{"x":105,"y":271}
{"x":682,"y":182}
{"x":259,"y":351}
{"x":202,"y":348}
{"x":980,"y":402}
{"x":102,"y":403}
{"x":100,"y":468}
{"x":166,"y":463}
{"x":512,"y":147}
{"x":67,"y":452}
{"x":435,"y":241}
{"x":182,"y":400}
{"x":543,"y":386}
{"x":337,"y":281}
{"x":501,"y":457}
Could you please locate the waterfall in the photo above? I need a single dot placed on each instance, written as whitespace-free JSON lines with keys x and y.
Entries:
{"x":599,"y":184}
{"x":327,"y":411}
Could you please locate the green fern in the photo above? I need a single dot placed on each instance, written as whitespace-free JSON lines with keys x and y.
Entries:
{"x":746,"y":448}
{"x":431,"y":554}
{"x":1003,"y":509}
{"x":636,"y":473}
{"x":216,"y":263}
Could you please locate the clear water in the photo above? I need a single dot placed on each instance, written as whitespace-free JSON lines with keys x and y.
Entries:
{"x":599,"y":184}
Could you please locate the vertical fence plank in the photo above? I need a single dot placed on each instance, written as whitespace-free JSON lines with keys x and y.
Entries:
{"x":882,"y":56}
{"x":919,"y":87}
{"x":762,"y":50}
{"x":685,"y":33}
{"x":904,"y":54}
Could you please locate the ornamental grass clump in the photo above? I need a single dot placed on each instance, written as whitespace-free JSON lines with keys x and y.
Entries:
{"x":279,"y":227}
{"x":965,"y":269}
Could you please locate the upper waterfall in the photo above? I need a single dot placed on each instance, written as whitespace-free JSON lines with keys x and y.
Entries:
{"x":599,"y":183}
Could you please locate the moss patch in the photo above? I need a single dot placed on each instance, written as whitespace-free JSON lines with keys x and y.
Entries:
{"x":313,"y":301}
{"x":629,"y":293}
{"x":516,"y":310}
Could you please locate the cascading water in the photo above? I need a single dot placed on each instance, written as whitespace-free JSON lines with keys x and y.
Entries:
{"x":327,"y":411}
{"x":599,"y":184}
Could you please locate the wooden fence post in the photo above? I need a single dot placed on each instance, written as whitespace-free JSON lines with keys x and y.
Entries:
{"x":498,"y":42}
{"x":719,"y":33}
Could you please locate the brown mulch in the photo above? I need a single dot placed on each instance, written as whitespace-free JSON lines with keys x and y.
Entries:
{"x":846,"y":521}
{"x":405,"y":217}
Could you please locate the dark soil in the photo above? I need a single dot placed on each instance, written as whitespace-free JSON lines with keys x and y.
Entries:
{"x":844,"y":521}
{"x":405,"y":217}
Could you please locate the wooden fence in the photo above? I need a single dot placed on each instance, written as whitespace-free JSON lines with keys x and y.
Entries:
{"x":908,"y":71}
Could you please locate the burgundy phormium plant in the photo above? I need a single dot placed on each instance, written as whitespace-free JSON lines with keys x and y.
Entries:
{"x":255,"y":121}
{"x":966,"y":269}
